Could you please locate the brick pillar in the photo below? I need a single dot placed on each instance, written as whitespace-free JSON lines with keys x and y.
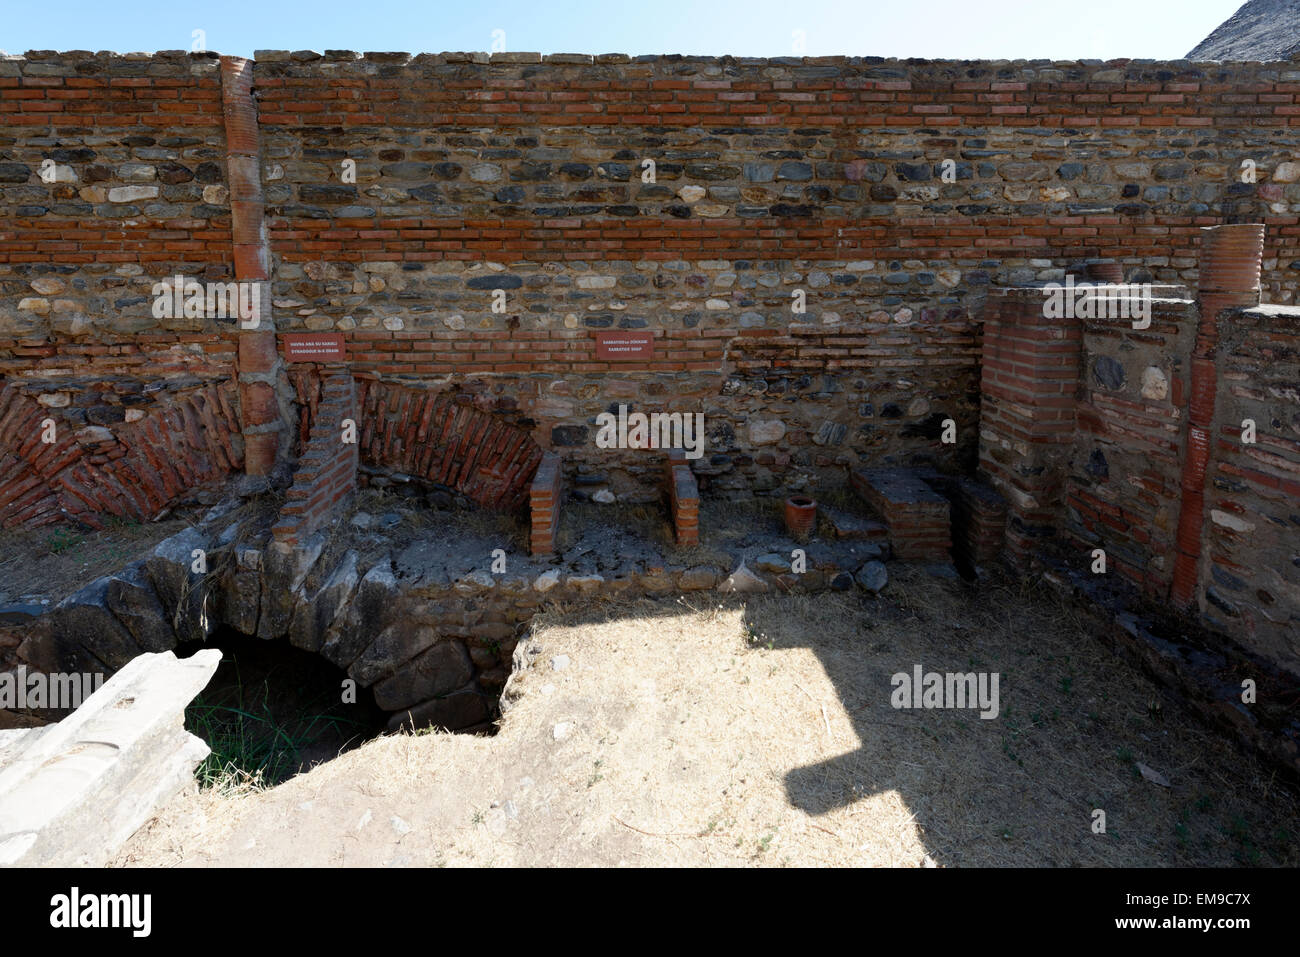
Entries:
{"x":1229,"y":279}
{"x":683,"y":498}
{"x":544,"y":499}
{"x":327,"y":470}
{"x":261,"y":418}
{"x":1029,"y":388}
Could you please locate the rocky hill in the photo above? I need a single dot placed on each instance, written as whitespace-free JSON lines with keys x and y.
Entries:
{"x":1260,"y":30}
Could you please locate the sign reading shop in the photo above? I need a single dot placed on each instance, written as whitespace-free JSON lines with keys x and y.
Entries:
{"x":625,"y":346}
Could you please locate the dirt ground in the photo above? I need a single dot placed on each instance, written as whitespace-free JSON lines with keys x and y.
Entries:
{"x":760,"y":733}
{"x":53,"y":562}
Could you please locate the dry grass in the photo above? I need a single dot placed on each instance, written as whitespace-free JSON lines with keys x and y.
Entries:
{"x":761,"y":734}
{"x":54,"y":561}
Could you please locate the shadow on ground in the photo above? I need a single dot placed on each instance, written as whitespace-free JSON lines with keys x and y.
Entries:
{"x":1074,"y":729}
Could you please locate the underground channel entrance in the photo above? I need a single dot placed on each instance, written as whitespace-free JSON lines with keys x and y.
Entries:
{"x":272,"y":711}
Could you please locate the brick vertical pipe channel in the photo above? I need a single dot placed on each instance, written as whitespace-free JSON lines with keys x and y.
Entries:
{"x":1229,"y":279}
{"x":260,"y":411}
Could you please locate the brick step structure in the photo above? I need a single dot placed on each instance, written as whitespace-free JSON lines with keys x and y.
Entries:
{"x":917,"y":517}
{"x":327,"y":469}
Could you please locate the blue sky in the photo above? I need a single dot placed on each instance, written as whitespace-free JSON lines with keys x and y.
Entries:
{"x":1056,"y":29}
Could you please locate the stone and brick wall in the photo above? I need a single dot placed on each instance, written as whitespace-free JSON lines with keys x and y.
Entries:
{"x":1123,"y":481}
{"x":1030,"y":376}
{"x":523,"y":174}
{"x":1250,"y":576}
{"x":132,"y":150}
{"x":1089,"y":429}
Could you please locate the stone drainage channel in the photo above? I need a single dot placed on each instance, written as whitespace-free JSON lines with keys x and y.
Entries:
{"x":402,"y":625}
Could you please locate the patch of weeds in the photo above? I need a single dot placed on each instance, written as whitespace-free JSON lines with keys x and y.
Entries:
{"x":596,"y":776}
{"x":252,"y":742}
{"x":477,"y":818}
{"x":1239,"y":831}
{"x":765,"y":842}
{"x":260,"y":733}
{"x":62,"y":539}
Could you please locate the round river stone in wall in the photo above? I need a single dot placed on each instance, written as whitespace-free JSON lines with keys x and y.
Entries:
{"x":1108,"y":372}
{"x":766,"y":431}
{"x":1154,"y":384}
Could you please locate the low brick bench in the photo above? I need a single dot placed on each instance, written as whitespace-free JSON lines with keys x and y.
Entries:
{"x":544,"y":505}
{"x":917,"y":517}
{"x":979,"y":521}
{"x":979,"y":517}
{"x":683,"y":498}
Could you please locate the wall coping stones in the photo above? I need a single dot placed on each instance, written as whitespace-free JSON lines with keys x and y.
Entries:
{"x":964,"y":70}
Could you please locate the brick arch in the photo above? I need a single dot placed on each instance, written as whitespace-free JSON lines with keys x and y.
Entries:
{"x":134,"y":470}
{"x":452,"y":438}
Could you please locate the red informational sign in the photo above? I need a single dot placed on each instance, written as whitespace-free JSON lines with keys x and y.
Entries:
{"x":313,"y":346}
{"x":622,"y":346}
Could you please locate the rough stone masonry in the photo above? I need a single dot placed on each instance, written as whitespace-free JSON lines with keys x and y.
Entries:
{"x":468,"y":224}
